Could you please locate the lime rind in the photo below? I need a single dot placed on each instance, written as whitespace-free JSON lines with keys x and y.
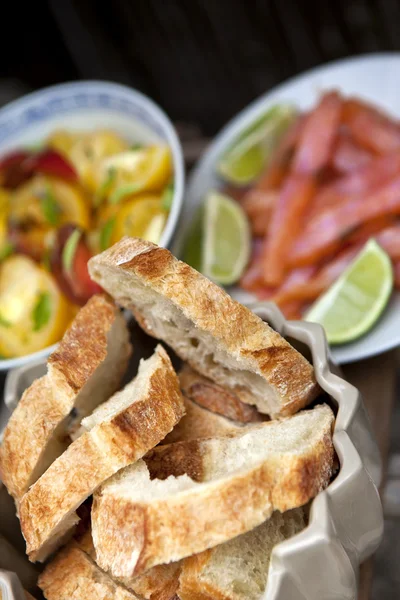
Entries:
{"x":226,"y":239}
{"x":354,"y":303}
{"x":246,"y":157}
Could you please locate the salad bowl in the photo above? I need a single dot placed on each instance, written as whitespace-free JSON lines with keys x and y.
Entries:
{"x":86,"y":106}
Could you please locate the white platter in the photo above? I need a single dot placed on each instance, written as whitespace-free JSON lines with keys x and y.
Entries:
{"x":372,"y":77}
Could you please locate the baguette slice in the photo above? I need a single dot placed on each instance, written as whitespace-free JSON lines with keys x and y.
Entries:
{"x":216,"y":398}
{"x":217,"y":336}
{"x":73,"y":575}
{"x":219,"y":489}
{"x":119,"y":432}
{"x":238,"y":569}
{"x":199,"y":423}
{"x":159,"y":583}
{"x":83,"y":371}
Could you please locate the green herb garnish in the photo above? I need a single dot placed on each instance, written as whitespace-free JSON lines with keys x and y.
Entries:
{"x":106,"y":233}
{"x":136,"y":147}
{"x":167,"y":197}
{"x":69,"y":250}
{"x":105,"y":186}
{"x":4,"y":322}
{"x":6,"y":250}
{"x":122,"y":191}
{"x":50,"y":208}
{"x":42,"y":311}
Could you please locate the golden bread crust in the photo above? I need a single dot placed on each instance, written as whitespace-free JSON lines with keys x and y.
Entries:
{"x":98,"y":454}
{"x":38,"y":424}
{"x":240,"y":332}
{"x":218,"y":511}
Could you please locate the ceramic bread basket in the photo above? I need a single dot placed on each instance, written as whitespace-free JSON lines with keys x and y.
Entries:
{"x":346,"y":521}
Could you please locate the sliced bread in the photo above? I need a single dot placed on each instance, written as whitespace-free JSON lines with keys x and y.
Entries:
{"x":199,"y":423}
{"x":118,"y":433}
{"x":85,"y":370}
{"x":159,"y":583}
{"x":73,"y":575}
{"x":238,"y":569}
{"x":216,"y":335}
{"x":216,"y":398}
{"x":190,"y":496}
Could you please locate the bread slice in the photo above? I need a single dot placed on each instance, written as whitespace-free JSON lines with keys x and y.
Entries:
{"x":83,"y":371}
{"x":216,"y":398}
{"x":216,"y":335}
{"x":219,"y":489}
{"x":118,"y":433}
{"x":238,"y":569}
{"x":159,"y":583}
{"x":73,"y":575}
{"x":199,"y":423}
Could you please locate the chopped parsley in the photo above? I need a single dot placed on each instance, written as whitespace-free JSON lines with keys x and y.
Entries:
{"x":42,"y":311}
{"x":106,"y":233}
{"x":50,"y":208}
{"x":122,"y":191}
{"x":69,"y":250}
{"x":105,"y":187}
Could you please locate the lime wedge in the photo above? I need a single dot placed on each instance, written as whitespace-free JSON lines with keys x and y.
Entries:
{"x":353,"y":304}
{"x":248,"y":154}
{"x":227,"y":239}
{"x":219,"y":240}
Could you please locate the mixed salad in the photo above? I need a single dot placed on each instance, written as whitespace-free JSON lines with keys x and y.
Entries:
{"x":72,"y":197}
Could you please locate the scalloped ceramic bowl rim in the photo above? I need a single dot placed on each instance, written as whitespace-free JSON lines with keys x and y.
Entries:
{"x":346,"y":519}
{"x":66,"y":90}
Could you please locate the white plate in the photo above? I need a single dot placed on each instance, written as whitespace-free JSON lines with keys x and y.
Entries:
{"x":372,"y":77}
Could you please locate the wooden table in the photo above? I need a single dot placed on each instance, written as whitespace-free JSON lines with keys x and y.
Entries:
{"x":376,"y":379}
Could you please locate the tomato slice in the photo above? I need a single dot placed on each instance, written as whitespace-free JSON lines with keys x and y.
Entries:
{"x":13,"y":171}
{"x":74,"y":281}
{"x":50,"y":162}
{"x":19,"y":166}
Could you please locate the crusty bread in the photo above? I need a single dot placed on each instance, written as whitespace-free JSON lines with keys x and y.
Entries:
{"x":199,"y":423}
{"x":159,"y":583}
{"x":216,"y":335}
{"x":216,"y":398}
{"x":83,"y":371}
{"x":219,"y":489}
{"x":238,"y":569}
{"x":118,"y":433}
{"x":73,"y":575}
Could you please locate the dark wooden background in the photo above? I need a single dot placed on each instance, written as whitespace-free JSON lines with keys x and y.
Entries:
{"x":202,"y":60}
